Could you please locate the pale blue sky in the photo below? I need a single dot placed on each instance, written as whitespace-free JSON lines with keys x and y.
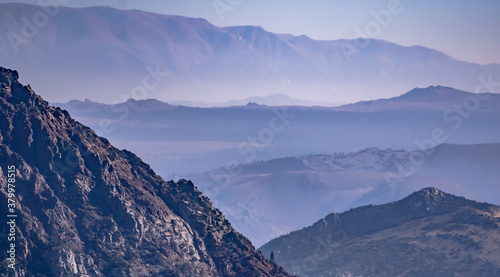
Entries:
{"x":465,"y":29}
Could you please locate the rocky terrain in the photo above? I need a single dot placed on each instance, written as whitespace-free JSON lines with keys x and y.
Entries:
{"x":86,"y":208}
{"x":429,"y":233}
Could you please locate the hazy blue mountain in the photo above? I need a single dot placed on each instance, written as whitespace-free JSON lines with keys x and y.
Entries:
{"x":271,"y":100}
{"x":435,"y":98}
{"x":185,"y":139}
{"x":429,"y":233}
{"x":258,"y":199}
{"x":271,"y":198}
{"x":104,"y":54}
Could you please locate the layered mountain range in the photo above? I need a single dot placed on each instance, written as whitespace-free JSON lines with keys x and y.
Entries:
{"x":429,"y":233}
{"x":258,"y":196}
{"x":212,"y":137}
{"x":191,"y":59}
{"x":434,"y":98}
{"x":267,"y":199}
{"x":86,"y":208}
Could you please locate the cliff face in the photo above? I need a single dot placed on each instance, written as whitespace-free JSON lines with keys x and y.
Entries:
{"x":87,"y":208}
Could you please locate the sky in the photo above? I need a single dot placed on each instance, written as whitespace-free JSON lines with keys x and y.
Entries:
{"x":467,"y":30}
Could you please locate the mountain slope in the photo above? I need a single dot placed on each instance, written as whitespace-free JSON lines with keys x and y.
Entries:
{"x":434,"y":98}
{"x":429,"y":233}
{"x":267,"y":199}
{"x":87,"y":208}
{"x":191,"y":59}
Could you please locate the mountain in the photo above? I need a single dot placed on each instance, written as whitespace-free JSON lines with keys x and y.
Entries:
{"x":270,"y":100}
{"x":85,"y":208}
{"x":266,"y":199}
{"x":279,"y":171}
{"x":131,"y":53}
{"x":429,"y":233}
{"x":212,"y":137}
{"x":436,"y":98}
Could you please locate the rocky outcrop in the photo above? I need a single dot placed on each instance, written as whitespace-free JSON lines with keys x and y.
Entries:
{"x":85,"y":208}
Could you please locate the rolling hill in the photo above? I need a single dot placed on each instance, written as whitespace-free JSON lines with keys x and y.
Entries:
{"x":429,"y":233}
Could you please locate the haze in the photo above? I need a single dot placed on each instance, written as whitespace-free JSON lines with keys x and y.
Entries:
{"x":464,"y":30}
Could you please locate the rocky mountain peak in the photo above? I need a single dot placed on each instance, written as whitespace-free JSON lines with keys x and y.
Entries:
{"x":431,"y":200}
{"x":430,"y":195}
{"x":14,"y":93}
{"x":86,"y":208}
{"x":8,"y":76}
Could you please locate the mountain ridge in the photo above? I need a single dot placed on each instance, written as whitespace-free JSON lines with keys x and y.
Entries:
{"x":260,"y":197}
{"x":430,"y":224}
{"x":438,"y":98}
{"x":222,"y":62}
{"x":86,"y":208}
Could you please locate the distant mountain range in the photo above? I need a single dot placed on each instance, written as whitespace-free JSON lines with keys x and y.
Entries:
{"x":81,"y":207}
{"x":185,"y":139}
{"x":267,"y":199}
{"x":271,"y":100}
{"x":429,"y":233}
{"x":131,"y":53}
{"x":252,"y":197}
{"x":258,"y":198}
{"x":433,"y":98}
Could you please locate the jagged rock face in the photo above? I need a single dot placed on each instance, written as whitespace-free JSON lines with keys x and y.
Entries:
{"x":429,"y":233}
{"x":87,"y":208}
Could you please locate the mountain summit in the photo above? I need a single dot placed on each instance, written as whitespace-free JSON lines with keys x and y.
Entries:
{"x":433,"y":98}
{"x":85,"y":208}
